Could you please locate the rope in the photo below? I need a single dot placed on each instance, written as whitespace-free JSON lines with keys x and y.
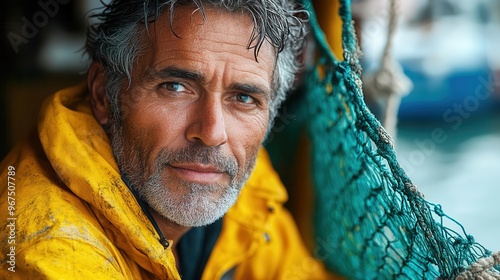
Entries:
{"x":482,"y":269}
{"x":389,"y":84}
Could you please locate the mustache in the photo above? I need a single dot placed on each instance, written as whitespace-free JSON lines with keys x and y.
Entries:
{"x":198,"y":153}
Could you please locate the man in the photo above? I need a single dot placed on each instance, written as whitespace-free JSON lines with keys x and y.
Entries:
{"x":154,"y":168}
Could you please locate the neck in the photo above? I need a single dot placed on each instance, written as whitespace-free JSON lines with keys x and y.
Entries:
{"x":170,"y":229}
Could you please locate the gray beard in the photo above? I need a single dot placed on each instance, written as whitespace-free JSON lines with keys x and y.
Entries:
{"x":196,"y":204}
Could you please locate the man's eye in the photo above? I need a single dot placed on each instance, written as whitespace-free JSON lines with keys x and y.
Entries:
{"x":245,"y":98}
{"x":173,"y":86}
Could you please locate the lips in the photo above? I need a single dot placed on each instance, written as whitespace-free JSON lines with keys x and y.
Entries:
{"x":197,"y":173}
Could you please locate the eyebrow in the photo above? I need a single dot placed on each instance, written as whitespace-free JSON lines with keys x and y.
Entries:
{"x":175,"y":72}
{"x":251,"y":89}
{"x":179,"y":73}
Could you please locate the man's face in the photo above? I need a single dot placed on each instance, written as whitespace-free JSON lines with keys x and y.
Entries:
{"x":195,"y":115}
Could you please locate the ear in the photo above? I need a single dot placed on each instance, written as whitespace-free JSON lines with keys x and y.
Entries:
{"x":96,"y":80}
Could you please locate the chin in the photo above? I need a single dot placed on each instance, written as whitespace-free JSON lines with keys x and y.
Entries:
{"x":202,"y":206}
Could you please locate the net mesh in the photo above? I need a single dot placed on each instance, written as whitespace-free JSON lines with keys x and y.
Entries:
{"x":370,"y":220}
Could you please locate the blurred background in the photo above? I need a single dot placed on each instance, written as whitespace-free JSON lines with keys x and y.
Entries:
{"x":448,"y":132}
{"x":41,"y":43}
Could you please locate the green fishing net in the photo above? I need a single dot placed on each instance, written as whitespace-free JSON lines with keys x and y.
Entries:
{"x":370,"y":220}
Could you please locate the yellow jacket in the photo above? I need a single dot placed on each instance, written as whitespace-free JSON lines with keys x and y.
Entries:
{"x":72,"y":217}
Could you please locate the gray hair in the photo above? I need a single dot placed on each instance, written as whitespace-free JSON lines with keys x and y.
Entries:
{"x":112,"y":43}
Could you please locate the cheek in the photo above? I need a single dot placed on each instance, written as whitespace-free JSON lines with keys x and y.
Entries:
{"x":148,"y":128}
{"x":251,"y":128}
{"x":156,"y":122}
{"x":245,"y":137}
{"x":257,"y":128}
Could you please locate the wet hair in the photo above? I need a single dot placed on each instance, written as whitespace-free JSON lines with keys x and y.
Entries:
{"x":112,"y":40}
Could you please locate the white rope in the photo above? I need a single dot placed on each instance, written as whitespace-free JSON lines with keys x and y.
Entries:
{"x":482,"y":269}
{"x":388,"y":84}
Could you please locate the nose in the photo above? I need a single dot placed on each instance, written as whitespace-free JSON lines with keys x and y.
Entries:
{"x":207,"y":123}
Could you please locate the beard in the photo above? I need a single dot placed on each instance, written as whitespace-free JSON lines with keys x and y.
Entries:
{"x":185,"y":203}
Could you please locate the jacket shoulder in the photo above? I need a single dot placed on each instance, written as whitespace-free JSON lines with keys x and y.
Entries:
{"x":53,"y":233}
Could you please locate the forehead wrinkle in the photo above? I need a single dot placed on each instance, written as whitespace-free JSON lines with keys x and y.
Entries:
{"x":194,"y":25}
{"x":196,"y":29}
{"x":265,"y":84}
{"x":192,"y":64}
{"x":194,"y":32}
{"x":153,"y":72}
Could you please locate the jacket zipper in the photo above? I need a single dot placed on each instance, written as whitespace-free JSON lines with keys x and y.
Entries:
{"x":144,"y":207}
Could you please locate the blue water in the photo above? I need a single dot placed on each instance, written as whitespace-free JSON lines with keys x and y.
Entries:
{"x":458,"y":166}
